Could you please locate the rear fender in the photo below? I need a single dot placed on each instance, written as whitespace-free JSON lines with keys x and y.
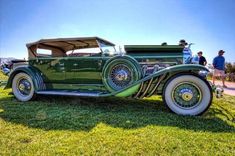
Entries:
{"x":32,"y":72}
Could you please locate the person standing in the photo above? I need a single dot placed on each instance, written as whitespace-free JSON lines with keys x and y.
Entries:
{"x":183,"y":43}
{"x":202,"y":59}
{"x":219,"y":67}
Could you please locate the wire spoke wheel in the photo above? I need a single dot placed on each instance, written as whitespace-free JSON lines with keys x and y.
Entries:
{"x":187,"y":95}
{"x":120,"y":76}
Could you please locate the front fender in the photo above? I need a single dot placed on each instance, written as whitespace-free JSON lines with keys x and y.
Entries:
{"x":184,"y":68}
{"x":32,"y":72}
{"x":170,"y":71}
{"x":187,"y":68}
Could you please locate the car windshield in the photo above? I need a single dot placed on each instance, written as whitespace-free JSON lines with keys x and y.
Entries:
{"x":107,"y":49}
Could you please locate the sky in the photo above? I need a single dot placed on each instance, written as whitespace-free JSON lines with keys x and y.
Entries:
{"x":209,"y":24}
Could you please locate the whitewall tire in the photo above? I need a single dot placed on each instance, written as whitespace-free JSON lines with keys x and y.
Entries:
{"x":187,"y":95}
{"x":22,"y":87}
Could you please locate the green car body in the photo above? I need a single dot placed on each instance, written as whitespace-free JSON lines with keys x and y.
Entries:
{"x":141,"y":71}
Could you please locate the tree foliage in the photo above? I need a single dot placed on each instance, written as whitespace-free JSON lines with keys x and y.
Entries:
{"x":230,"y":67}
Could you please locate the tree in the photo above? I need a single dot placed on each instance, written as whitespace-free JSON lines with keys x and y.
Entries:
{"x":228,"y":67}
{"x":230,"y":70}
{"x":233,"y":68}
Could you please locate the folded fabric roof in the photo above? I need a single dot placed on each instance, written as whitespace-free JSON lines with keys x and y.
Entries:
{"x":66,"y":44}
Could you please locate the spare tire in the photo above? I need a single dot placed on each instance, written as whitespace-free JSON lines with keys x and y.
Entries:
{"x":120,"y":72}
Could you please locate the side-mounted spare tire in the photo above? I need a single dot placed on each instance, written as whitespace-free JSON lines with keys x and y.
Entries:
{"x":120,"y":72}
{"x":187,"y":94}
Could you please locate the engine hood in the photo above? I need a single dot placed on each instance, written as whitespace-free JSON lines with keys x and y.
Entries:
{"x":153,"y":49}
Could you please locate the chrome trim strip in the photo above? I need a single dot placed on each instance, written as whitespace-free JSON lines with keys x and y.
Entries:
{"x":68,"y":93}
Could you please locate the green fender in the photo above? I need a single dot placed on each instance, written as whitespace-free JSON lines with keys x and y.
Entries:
{"x":185,"y":68}
{"x":32,"y":72}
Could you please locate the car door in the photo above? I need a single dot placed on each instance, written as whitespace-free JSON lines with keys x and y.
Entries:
{"x":53,"y":70}
{"x":84,"y":70}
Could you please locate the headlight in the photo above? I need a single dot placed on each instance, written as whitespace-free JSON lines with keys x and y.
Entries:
{"x":203,"y":73}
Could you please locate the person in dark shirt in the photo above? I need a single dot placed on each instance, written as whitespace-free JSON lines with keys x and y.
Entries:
{"x":202,"y":59}
{"x":219,"y":67}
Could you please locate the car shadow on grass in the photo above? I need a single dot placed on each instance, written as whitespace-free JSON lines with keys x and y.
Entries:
{"x":72,"y":113}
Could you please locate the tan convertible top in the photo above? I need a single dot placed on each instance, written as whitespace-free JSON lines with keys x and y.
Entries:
{"x":62,"y":45}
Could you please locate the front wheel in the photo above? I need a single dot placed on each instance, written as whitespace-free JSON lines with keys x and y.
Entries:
{"x":187,"y":95}
{"x":22,"y":87}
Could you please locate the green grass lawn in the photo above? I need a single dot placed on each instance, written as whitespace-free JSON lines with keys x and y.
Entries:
{"x":107,"y":126}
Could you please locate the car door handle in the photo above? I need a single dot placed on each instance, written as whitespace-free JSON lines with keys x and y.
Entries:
{"x":75,"y":64}
{"x":61,"y":64}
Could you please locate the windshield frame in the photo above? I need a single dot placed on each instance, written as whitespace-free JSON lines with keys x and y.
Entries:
{"x":103,"y":46}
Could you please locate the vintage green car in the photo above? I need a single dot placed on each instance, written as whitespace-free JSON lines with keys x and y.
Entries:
{"x":92,"y":67}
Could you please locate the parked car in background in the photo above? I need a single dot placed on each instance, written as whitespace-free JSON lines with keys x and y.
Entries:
{"x":7,"y":64}
{"x":92,"y":67}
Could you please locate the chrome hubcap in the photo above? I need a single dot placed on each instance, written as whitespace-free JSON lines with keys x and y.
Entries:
{"x":24,"y":86}
{"x":121,"y":75}
{"x":21,"y":87}
{"x":186,"y":95}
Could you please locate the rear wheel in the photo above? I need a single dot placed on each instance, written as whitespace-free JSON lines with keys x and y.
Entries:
{"x":187,"y":95}
{"x":22,"y":87}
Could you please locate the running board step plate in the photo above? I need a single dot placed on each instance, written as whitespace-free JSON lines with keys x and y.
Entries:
{"x":70,"y":93}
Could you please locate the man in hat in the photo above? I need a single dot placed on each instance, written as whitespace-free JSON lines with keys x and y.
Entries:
{"x":183,"y":43}
{"x":202,"y":59}
{"x":219,"y":67}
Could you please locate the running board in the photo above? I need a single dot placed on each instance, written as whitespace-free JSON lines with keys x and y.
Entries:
{"x":70,"y":93}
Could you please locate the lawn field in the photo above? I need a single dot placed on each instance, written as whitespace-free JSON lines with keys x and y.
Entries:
{"x":112,"y":126}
